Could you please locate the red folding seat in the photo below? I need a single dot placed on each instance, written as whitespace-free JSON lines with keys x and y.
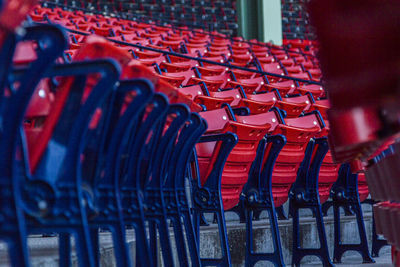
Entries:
{"x":199,"y":40}
{"x":322,"y":106}
{"x":151,"y":61}
{"x":219,"y":58}
{"x":301,"y":75}
{"x":298,"y":132}
{"x":240,"y":64}
{"x":172,"y":67}
{"x":308,"y":65}
{"x":196,"y":93}
{"x":272,"y":96}
{"x":239,"y":100}
{"x":273,"y":68}
{"x":237,"y":166}
{"x":250,"y":86}
{"x":287,"y":63}
{"x":260,"y":49}
{"x":284,"y":87}
{"x":189,"y":74}
{"x":147,"y":54}
{"x":213,"y":83}
{"x":315,"y":73}
{"x":176,"y":37}
{"x":328,"y":174}
{"x":316,"y":90}
{"x":240,"y":46}
{"x":176,"y":59}
{"x":104,"y":30}
{"x":220,"y":42}
{"x":216,"y":55}
{"x":241,"y":74}
{"x":175,"y":45}
{"x":294,"y":106}
{"x":177,"y":78}
{"x":193,"y":47}
{"x":300,"y":59}
{"x":240,"y":51}
{"x":293,"y":69}
{"x":131,"y":38}
{"x":265,"y":59}
{"x":243,"y":58}
{"x":212,"y":70}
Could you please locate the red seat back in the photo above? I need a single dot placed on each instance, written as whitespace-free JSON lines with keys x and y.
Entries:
{"x":237,"y":166}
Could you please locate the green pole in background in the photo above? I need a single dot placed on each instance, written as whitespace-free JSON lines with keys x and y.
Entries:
{"x":260,"y":19}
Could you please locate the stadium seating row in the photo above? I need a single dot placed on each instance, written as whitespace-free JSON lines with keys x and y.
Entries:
{"x":108,"y":143}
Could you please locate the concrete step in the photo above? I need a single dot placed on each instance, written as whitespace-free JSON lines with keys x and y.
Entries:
{"x":44,"y":251}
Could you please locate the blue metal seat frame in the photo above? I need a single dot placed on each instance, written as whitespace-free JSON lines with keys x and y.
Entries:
{"x":104,"y":212}
{"x":208,"y":199}
{"x":53,"y":195}
{"x":130,"y":181}
{"x":174,"y":191}
{"x":12,"y":108}
{"x":304,"y":195}
{"x":344,"y":193}
{"x":156,"y":213}
{"x":257,"y":197}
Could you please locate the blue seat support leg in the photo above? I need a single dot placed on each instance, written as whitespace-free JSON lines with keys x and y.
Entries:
{"x":257,"y":197}
{"x":208,"y":199}
{"x":345,"y":195}
{"x":304,"y":195}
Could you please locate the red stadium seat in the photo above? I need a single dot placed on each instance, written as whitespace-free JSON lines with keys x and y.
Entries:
{"x":237,"y":166}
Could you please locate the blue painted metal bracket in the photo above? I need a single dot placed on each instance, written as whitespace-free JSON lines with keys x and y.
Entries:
{"x":156,"y":213}
{"x":257,"y":197}
{"x":344,"y":193}
{"x":177,"y":204}
{"x":138,"y":149}
{"x":208,"y":199}
{"x":53,"y":195}
{"x":304,"y":195}
{"x":104,"y":190}
{"x":12,"y":108}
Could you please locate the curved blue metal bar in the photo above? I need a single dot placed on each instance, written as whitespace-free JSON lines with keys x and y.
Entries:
{"x":106,"y":212}
{"x":53,"y":195}
{"x":137,"y":146}
{"x":13,"y":229}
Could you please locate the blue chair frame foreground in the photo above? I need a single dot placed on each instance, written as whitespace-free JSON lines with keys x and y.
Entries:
{"x":57,"y":182}
{"x":13,"y":107}
{"x":101,"y":160}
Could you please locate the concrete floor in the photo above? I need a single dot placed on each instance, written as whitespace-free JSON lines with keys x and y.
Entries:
{"x":354,"y":260}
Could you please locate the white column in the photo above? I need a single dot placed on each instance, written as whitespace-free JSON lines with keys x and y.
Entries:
{"x":270,"y":25}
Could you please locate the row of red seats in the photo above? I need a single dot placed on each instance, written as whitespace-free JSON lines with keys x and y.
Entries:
{"x":236,"y":52}
{"x":274,"y":104}
{"x":243,"y":89}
